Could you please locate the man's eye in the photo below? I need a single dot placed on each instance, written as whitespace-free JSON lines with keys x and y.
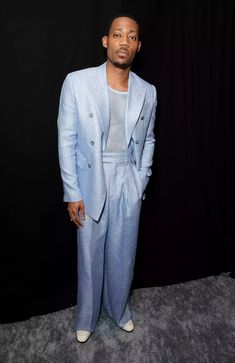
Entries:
{"x":133,"y":37}
{"x":116,"y":35}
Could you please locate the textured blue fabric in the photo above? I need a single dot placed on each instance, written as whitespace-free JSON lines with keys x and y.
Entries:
{"x":107,"y":248}
{"x":111,"y":186}
{"x":83,"y":124}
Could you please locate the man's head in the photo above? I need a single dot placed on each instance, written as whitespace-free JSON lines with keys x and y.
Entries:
{"x":122,"y":40}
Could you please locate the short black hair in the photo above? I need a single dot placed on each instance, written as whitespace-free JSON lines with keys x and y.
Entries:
{"x":122,"y":15}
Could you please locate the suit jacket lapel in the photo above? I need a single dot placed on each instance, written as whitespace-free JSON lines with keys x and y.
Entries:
{"x":101,"y":98}
{"x":136,"y":96}
{"x":135,"y":102}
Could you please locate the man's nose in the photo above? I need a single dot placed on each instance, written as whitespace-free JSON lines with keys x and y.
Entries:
{"x":124,"y":41}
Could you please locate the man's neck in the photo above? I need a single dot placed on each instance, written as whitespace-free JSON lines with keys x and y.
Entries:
{"x":117,"y":77}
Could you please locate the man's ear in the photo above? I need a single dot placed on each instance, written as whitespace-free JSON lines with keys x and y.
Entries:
{"x":105,"y":41}
{"x":139,"y":46}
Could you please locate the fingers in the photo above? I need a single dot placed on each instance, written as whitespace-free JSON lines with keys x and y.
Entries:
{"x":77,"y":221}
{"x":82,"y":212}
{"x":75,"y":218}
{"x":76,"y":212}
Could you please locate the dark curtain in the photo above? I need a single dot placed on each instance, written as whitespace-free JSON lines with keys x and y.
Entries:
{"x":187,"y":225}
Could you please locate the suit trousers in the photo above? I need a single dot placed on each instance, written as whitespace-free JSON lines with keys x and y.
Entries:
{"x":106,"y":248}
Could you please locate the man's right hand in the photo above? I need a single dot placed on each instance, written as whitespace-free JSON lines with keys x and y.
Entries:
{"x":76,"y":212}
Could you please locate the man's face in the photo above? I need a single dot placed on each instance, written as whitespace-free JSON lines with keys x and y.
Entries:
{"x":122,"y":42}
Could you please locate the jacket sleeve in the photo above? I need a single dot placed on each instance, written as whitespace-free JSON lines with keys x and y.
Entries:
{"x":67,"y":140}
{"x":147,"y":156}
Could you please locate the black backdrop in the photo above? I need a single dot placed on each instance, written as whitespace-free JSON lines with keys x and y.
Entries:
{"x":187,"y":226}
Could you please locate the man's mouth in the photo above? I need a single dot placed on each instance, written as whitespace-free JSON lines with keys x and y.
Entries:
{"x":122,"y":52}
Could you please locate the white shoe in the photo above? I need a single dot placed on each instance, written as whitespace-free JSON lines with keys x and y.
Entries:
{"x":82,"y":335}
{"x":129,"y":326}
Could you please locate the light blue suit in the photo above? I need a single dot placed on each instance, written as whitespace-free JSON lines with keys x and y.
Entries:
{"x":83,"y":125}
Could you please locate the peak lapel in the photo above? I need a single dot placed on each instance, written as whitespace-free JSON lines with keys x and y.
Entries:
{"x":101,"y":98}
{"x":134,"y":106}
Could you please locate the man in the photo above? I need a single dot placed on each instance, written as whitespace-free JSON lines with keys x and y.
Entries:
{"x":106,"y":144}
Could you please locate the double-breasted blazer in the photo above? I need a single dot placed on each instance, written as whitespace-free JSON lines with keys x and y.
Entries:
{"x":83,"y":126}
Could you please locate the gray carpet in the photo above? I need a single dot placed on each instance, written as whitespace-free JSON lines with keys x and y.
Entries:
{"x":190,"y":322}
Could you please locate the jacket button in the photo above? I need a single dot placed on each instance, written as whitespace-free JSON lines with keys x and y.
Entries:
{"x":92,"y":142}
{"x":142,"y":117}
{"x":137,"y":141}
{"x":89,"y":165}
{"x":91,"y":114}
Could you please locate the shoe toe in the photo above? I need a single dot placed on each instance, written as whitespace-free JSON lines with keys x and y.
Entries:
{"x":82,"y":335}
{"x":129,"y":326}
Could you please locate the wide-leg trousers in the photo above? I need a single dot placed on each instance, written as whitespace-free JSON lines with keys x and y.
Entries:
{"x":106,"y":248}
